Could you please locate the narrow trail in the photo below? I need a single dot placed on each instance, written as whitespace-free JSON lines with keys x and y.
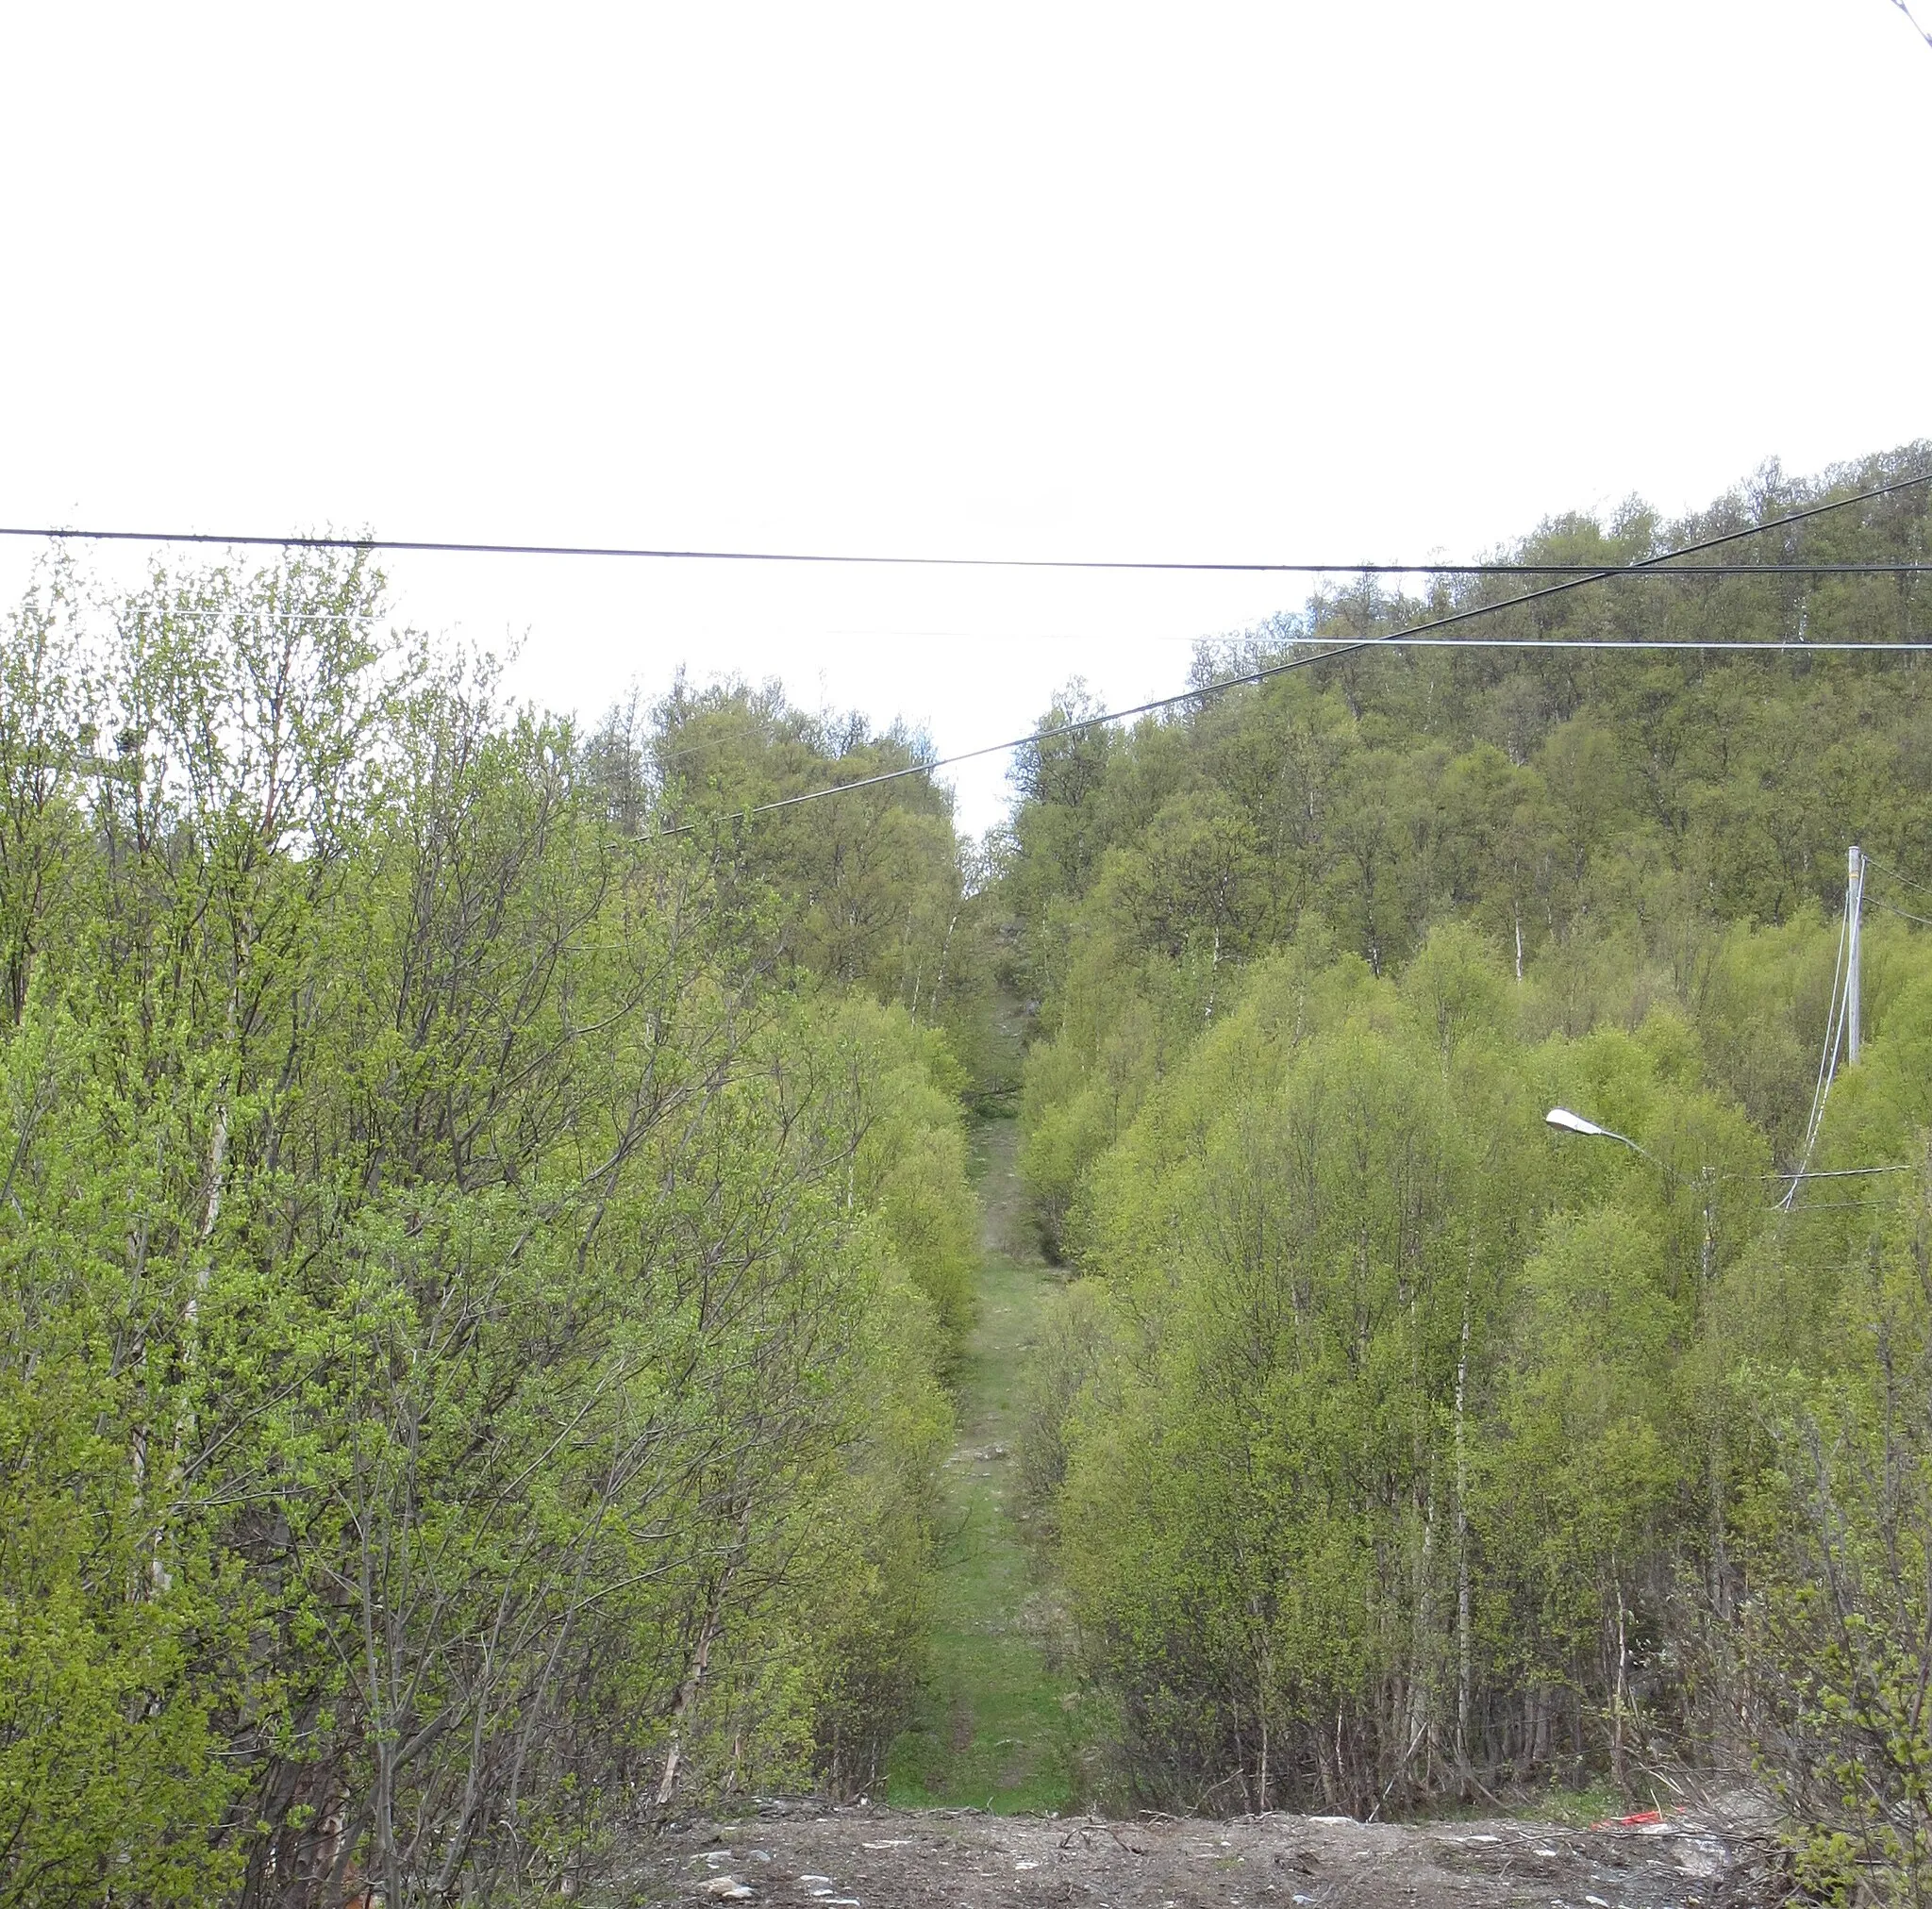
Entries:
{"x":998,"y":1726}
{"x":1000,"y":1732}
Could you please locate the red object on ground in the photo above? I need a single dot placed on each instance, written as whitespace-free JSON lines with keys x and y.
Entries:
{"x":1631,"y":1822}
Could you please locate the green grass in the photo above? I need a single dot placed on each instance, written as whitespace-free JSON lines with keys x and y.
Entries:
{"x":997,"y":1729}
{"x":1576,"y":1809}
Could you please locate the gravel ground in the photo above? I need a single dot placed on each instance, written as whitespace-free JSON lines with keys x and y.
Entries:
{"x":807,"y":1856}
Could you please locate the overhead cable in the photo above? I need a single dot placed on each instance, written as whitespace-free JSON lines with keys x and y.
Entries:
{"x":1250,"y":677}
{"x":1913,"y":19}
{"x":672,"y":554}
{"x":1836,"y":1206}
{"x":1886,"y":868}
{"x":1405,"y":642}
{"x":1701,"y":572}
{"x":1827,"y":1065}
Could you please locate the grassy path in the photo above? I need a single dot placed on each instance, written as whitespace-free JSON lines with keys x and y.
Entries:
{"x":997,"y":1729}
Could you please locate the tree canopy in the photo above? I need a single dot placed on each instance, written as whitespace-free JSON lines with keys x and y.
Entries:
{"x":1398,"y":1445}
{"x":477,"y":1273}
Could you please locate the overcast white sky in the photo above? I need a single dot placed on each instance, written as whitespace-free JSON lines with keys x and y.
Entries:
{"x":1287,"y":281}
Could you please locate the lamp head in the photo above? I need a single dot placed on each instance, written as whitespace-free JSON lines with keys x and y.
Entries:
{"x":1574,"y":1124}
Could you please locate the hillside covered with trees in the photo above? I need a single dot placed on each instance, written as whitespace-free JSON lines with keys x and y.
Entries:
{"x":486,"y":1233}
{"x":1398,"y":1445}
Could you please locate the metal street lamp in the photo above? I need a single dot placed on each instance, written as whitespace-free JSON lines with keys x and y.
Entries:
{"x":1562,"y":1119}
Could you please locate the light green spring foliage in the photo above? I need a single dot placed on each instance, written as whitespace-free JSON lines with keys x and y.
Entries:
{"x":1400,"y":1404}
{"x":1830,"y":1329}
{"x":1397,"y":1445}
{"x":471,"y":1313}
{"x":910,"y":1163}
{"x":1607,"y":822}
{"x":1838,"y":1523}
{"x":879,"y":894}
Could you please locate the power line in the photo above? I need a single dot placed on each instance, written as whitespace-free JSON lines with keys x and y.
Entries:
{"x":242,"y":540}
{"x":1397,"y":641}
{"x":1704,"y":571}
{"x":1403,"y":641}
{"x":1911,"y":17}
{"x":1893,"y":907}
{"x":1401,"y":638}
{"x":1699,"y":570}
{"x":265,"y":613}
{"x":1883,"y":868}
{"x":1827,"y":1065}
{"x":1833,"y":1207}
{"x":1260,"y":675}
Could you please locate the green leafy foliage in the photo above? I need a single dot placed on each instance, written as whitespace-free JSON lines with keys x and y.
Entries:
{"x":1398,"y":1446}
{"x":472,"y":1312}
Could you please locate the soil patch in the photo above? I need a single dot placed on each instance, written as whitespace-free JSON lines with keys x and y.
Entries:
{"x":808,"y":1856}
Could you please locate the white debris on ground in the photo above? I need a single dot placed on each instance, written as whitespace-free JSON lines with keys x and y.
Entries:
{"x":811,"y":1856}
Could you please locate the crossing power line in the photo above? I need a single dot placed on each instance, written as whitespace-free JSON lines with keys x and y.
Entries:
{"x":879,"y":559}
{"x":1571,"y":576}
{"x":1413,"y":634}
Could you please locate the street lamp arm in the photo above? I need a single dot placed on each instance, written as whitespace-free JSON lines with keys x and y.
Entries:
{"x":1563,"y":1120}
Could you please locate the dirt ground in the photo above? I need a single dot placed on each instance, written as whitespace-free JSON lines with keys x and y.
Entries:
{"x":808,"y":1856}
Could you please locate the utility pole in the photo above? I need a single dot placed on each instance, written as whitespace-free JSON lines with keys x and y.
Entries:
{"x":1854,"y":907}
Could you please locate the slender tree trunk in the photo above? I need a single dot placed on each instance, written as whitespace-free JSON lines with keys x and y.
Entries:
{"x":1420,"y":1724}
{"x":687,"y":1696}
{"x":1462,"y":1597}
{"x":938,"y":979}
{"x":700,"y":1661}
{"x":1620,"y":1696}
{"x":191,"y":1312}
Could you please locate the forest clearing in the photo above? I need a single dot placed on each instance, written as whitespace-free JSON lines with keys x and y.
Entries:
{"x":994,"y":1725}
{"x":994,"y":1728}
{"x":559,"y":1279}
